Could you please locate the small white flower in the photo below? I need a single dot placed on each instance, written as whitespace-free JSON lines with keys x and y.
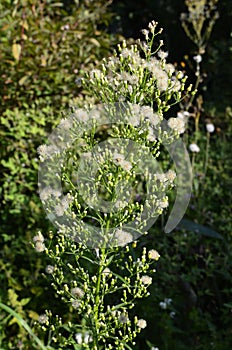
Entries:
{"x":162,"y":54}
{"x":197,"y":58}
{"x":66,"y":123}
{"x":87,"y":338}
{"x":163,"y":305}
{"x":168,"y":301}
{"x":142,"y":323}
{"x":145,"y":33}
{"x":151,"y":135}
{"x":40,"y":247}
{"x":106,"y":271}
{"x":194,"y":148}
{"x":126,"y":165}
{"x":146,"y":112}
{"x":123,"y":318}
{"x":153,"y":255}
{"x":77,"y":292}
{"x":183,"y":114}
{"x":39,"y":237}
{"x":162,"y":203}
{"x":177,"y":124}
{"x":146,"y":280}
{"x":172,"y":314}
{"x":210,"y":127}
{"x":154,"y":348}
{"x":78,"y":337}
{"x":43,"y":319}
{"x":75,"y":304}
{"x":170,"y":175}
{"x":118,"y":158}
{"x":49,"y":269}
{"x":123,"y":237}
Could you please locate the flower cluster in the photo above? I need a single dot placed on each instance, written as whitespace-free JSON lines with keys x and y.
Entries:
{"x":138,"y":78}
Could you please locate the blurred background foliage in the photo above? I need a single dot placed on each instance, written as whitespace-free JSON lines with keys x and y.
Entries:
{"x":44,"y":47}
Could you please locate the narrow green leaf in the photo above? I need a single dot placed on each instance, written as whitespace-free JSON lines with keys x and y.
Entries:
{"x":22,"y":323}
{"x":199,"y":229}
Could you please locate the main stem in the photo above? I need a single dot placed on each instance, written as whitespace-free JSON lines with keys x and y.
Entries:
{"x":97,"y":298}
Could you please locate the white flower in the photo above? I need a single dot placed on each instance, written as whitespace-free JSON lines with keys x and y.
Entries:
{"x":95,"y":73}
{"x":170,"y":68}
{"x":210,"y":127}
{"x":46,"y":151}
{"x":87,"y":338}
{"x":63,"y":206}
{"x":161,"y":177}
{"x":162,"y":80}
{"x":146,"y":280}
{"x":172,"y":314}
{"x":194,"y":148}
{"x":66,"y":123}
{"x":118,"y":158}
{"x":162,"y":54}
{"x":153,"y":254}
{"x":146,"y":112}
{"x":123,"y":318}
{"x":77,"y":292}
{"x":126,"y":165}
{"x":168,"y":301}
{"x":40,"y":247}
{"x":197,"y":58}
{"x":142,"y":323}
{"x":146,"y":33}
{"x":49,"y":269}
{"x":151,"y":136}
{"x":183,"y":114}
{"x":78,"y":337}
{"x":75,"y":304}
{"x":163,"y":305}
{"x":39,"y":237}
{"x":43,"y":319}
{"x":162,"y":203}
{"x":154,"y":348}
{"x":47,"y":192}
{"x":83,"y":338}
{"x":177,"y":124}
{"x":106,"y":271}
{"x":152,"y":25}
{"x":170,"y":175}
{"x":123,"y":237}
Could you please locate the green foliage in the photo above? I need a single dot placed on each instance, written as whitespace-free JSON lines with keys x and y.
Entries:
{"x":45,"y":44}
{"x":43,"y":47}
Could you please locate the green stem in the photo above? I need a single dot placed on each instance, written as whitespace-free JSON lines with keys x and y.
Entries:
{"x":97,"y":298}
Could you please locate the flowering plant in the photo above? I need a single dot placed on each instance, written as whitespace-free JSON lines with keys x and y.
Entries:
{"x":101,"y":185}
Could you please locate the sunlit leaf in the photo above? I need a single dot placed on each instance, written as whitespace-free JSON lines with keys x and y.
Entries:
{"x":16,"y":51}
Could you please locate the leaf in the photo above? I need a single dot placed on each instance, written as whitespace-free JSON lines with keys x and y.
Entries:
{"x":95,"y":42}
{"x":24,"y":301}
{"x":16,"y":51}
{"x":199,"y":229}
{"x":22,"y":80}
{"x":22,"y":323}
{"x":32,"y":314}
